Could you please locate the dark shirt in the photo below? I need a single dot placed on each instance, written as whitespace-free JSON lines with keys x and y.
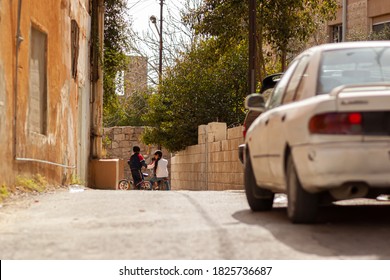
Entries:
{"x":136,"y":161}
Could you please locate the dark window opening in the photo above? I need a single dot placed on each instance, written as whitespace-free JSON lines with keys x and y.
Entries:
{"x":74,"y":47}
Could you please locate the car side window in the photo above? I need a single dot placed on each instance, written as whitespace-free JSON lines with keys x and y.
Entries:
{"x":277,"y":95}
{"x":295,"y":81}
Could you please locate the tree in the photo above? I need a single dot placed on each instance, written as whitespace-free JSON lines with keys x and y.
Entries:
{"x":116,"y":46}
{"x":286,"y":22}
{"x":203,"y":86}
{"x":177,"y":38}
{"x":208,"y":81}
{"x":280,"y":23}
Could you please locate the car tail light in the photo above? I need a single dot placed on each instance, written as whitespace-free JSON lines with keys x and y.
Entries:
{"x":244,"y":130}
{"x":336,"y":123}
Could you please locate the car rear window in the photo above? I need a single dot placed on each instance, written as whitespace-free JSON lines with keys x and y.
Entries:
{"x":353,"y":66}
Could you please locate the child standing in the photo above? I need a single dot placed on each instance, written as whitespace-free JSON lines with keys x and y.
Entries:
{"x":160,"y":169}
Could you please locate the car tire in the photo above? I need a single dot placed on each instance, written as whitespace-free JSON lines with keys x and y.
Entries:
{"x":259,"y":199}
{"x":302,"y":206}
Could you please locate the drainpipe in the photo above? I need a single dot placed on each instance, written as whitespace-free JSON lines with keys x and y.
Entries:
{"x":97,"y":83}
{"x":19,"y":40}
{"x":344,"y":21}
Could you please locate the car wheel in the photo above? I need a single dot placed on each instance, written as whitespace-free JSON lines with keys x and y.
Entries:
{"x":258,"y":198}
{"x":302,"y":206}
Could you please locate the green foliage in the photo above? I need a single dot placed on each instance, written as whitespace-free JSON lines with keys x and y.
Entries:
{"x":4,"y":193}
{"x":286,"y":20}
{"x":116,"y":46}
{"x":280,"y":23}
{"x":127,"y":111}
{"x":287,"y":24}
{"x":226,"y":20}
{"x":37,"y":183}
{"x":206,"y":85}
{"x":209,"y":82}
{"x":75,"y":180}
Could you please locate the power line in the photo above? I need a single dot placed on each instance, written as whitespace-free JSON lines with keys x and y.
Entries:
{"x":136,"y":3}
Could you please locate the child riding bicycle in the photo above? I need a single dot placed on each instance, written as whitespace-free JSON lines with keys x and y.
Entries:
{"x":136,"y":162}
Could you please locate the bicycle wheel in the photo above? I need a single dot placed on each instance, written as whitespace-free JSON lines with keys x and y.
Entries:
{"x":147,"y":185}
{"x":124,"y":184}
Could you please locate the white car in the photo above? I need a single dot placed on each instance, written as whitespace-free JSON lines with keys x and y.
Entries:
{"x":324,"y":130}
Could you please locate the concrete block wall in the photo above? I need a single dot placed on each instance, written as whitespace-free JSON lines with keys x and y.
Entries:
{"x":213,"y":164}
{"x":188,"y":169}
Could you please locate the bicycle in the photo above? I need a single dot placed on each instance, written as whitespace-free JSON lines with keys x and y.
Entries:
{"x":162,"y":185}
{"x":126,"y":184}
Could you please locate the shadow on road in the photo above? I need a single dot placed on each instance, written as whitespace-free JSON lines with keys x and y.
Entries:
{"x":340,"y":231}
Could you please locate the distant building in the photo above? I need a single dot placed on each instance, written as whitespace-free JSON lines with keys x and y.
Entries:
{"x":136,"y":75}
{"x":361,"y":17}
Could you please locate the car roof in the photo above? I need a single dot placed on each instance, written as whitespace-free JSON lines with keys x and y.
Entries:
{"x":348,"y":45}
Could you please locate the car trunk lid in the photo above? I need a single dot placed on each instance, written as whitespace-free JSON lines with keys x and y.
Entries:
{"x":372,"y":102}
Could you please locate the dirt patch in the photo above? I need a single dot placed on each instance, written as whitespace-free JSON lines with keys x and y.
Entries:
{"x":19,"y":198}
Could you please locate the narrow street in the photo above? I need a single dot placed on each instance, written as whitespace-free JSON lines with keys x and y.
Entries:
{"x":96,"y":224}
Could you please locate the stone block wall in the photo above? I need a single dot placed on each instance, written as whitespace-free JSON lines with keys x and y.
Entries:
{"x":119,"y":141}
{"x":213,"y":164}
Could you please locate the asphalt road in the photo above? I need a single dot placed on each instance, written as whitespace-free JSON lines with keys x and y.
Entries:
{"x":96,"y":224}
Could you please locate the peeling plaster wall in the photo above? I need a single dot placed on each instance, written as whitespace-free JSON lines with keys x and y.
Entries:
{"x":68,"y":107}
{"x":5,"y":135}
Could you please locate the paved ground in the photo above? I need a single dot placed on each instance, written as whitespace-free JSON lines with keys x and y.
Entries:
{"x":96,"y":224}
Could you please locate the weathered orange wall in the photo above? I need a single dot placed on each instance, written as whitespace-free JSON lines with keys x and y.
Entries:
{"x":60,"y":143}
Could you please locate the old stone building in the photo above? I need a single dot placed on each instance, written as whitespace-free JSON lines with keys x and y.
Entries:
{"x":136,"y":76}
{"x":50,"y":88}
{"x":356,"y":19}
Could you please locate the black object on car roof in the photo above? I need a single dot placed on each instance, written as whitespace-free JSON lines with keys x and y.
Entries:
{"x":270,"y":81}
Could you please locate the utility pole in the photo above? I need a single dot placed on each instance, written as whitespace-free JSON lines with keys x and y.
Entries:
{"x":153,"y":19}
{"x":344,"y":21}
{"x":161,"y":43}
{"x":252,"y":47}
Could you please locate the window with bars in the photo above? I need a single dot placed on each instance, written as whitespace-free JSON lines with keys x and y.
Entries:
{"x":380,"y":27}
{"x":337,"y":33}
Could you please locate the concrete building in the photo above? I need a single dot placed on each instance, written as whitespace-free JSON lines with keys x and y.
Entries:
{"x":356,"y":19}
{"x":50,"y":88}
{"x":136,"y":75}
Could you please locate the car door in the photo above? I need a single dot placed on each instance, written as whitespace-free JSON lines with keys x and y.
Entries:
{"x":276,"y":136}
{"x":258,"y":139}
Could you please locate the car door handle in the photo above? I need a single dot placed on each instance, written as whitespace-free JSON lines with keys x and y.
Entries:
{"x":266,"y":121}
{"x":283,"y":118}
